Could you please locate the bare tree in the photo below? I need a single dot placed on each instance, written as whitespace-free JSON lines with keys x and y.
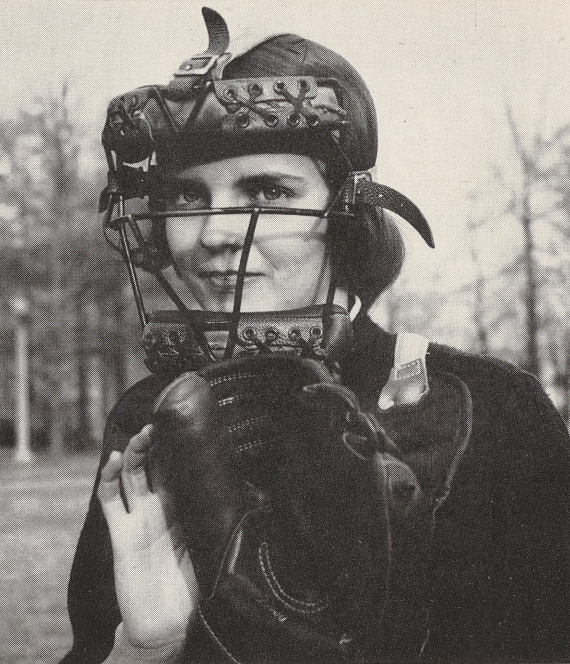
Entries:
{"x":529,"y":159}
{"x":479,"y":285}
{"x":52,"y":239}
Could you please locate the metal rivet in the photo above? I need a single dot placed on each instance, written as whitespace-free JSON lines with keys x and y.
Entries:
{"x":279,"y":86}
{"x":249,"y":334}
{"x":255,"y":89}
{"x":316,"y":332}
{"x":230,"y":93}
{"x":242,"y":120}
{"x":303,"y":84}
{"x":116,"y":121}
{"x":294,"y":333}
{"x":271,"y":120}
{"x":271,"y":334}
{"x":188,"y":67}
{"x":293,"y":119}
{"x":313,"y":120}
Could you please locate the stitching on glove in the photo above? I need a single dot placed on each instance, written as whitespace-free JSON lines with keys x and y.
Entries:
{"x":248,"y":424}
{"x":297,"y":605}
{"x":248,"y":446}
{"x":227,"y":401}
{"x":229,"y":378}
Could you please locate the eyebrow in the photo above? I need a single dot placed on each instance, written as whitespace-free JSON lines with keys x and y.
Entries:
{"x":275,"y":175}
{"x":270,"y":178}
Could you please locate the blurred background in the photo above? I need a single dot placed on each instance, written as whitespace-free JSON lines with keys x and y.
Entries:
{"x":472,"y":97}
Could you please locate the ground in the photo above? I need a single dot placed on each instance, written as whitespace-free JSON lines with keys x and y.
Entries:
{"x":43,"y":505}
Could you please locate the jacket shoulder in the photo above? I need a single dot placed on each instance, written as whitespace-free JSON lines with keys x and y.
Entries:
{"x":482,"y":372}
{"x":472,"y":367}
{"x":501,"y":388}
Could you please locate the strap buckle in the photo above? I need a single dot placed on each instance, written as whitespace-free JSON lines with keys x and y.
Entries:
{"x":218,"y":43}
{"x":198,"y":65}
{"x":350,"y":189}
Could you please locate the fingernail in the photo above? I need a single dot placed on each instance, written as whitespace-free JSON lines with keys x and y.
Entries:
{"x":385,"y":403}
{"x":115,"y":455}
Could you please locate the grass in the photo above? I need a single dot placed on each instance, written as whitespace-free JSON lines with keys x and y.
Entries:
{"x":43,"y":506}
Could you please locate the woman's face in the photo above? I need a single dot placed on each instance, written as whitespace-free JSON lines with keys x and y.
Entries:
{"x":288,"y":265}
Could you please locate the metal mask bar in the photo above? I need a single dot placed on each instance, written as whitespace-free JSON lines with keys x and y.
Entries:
{"x":200,"y":336}
{"x":122,"y":222}
{"x":199,"y":212}
{"x":248,"y":241}
{"x":131,"y":268}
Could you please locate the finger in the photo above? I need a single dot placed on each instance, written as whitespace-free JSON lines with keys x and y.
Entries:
{"x":109,"y":485}
{"x":136,"y":453}
{"x":133,"y":474}
{"x":109,"y":490}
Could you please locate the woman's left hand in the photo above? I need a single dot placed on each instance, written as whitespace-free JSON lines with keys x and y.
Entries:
{"x":155,"y":582}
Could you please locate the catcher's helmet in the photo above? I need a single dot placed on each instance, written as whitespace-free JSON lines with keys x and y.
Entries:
{"x":286,"y":94}
{"x":286,"y":91}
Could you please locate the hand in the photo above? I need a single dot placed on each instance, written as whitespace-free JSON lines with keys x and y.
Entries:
{"x":155,"y":582}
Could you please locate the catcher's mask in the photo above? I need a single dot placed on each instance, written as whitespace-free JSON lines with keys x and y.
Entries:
{"x":201,"y":116}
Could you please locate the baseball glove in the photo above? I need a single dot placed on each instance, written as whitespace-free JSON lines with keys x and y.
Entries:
{"x":290,"y":497}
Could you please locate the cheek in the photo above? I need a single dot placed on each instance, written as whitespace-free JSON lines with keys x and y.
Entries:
{"x":291,"y":247}
{"x":182,"y":238}
{"x":296,"y":256}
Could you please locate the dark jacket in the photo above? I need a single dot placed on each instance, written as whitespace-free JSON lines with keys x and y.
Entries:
{"x":501,"y":576}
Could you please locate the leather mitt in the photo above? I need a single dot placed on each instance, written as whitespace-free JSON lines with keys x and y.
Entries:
{"x":285,"y":490}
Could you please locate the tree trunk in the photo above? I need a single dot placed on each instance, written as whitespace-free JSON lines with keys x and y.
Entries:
{"x":481,"y":332}
{"x":482,"y":335}
{"x":82,"y":354}
{"x":532,"y":322}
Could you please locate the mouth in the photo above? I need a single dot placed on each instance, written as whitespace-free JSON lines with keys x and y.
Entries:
{"x":226,"y":280}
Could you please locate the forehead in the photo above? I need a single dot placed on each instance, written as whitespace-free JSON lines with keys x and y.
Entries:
{"x":234,"y":169}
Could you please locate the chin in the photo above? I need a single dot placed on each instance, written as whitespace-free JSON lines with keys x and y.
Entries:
{"x":255,"y":298}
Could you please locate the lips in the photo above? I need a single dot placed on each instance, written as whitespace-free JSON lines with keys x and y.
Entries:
{"x":226,"y":280}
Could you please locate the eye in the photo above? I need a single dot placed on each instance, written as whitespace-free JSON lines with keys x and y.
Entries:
{"x":272,"y":193}
{"x":183,"y":197}
{"x":192,"y":196}
{"x":268,"y":192}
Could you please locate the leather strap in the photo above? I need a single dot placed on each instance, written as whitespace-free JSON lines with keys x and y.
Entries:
{"x":218,"y":42}
{"x":408,"y":381}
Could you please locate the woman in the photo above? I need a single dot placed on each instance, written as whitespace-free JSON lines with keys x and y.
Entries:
{"x":413,"y":514}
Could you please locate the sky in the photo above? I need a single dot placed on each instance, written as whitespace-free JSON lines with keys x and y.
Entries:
{"x":439,"y":71}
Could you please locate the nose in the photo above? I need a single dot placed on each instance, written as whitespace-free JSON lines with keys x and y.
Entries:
{"x":224,"y":232}
{"x":221,"y":232}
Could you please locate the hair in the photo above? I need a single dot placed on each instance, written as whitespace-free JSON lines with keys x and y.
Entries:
{"x":367,"y":254}
{"x":368,"y":251}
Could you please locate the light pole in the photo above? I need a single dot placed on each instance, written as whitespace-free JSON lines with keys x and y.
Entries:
{"x":20,"y":309}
